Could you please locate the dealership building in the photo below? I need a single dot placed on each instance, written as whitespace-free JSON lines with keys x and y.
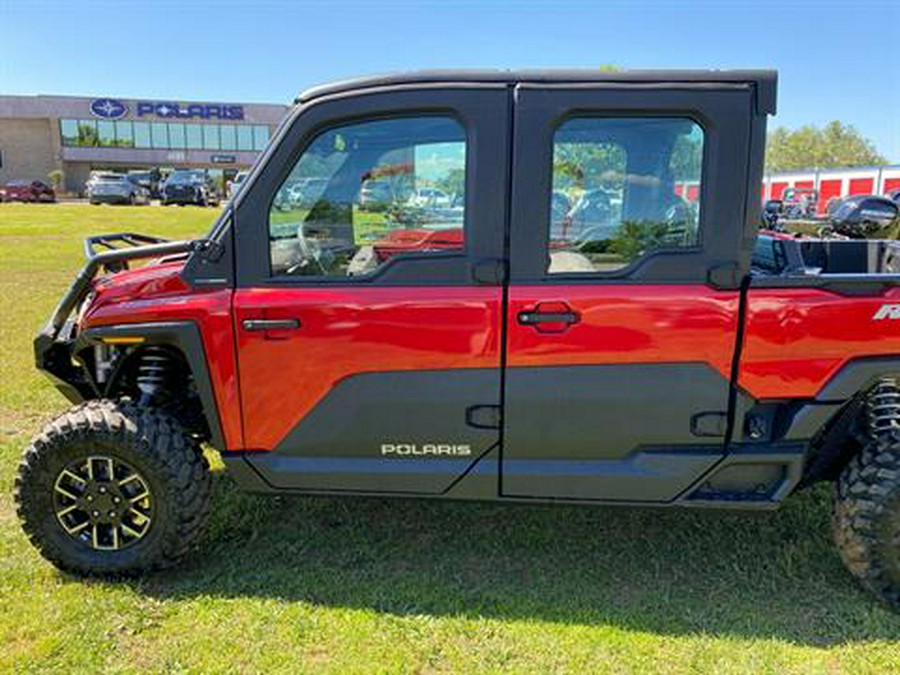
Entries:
{"x":77,"y":135}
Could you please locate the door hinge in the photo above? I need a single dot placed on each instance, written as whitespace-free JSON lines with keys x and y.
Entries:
{"x":484,"y":416}
{"x":711,"y":424}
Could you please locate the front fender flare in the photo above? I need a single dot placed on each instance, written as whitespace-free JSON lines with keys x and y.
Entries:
{"x":182,"y":335}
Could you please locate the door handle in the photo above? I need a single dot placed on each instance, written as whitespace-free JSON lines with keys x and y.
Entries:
{"x":534,"y":317}
{"x":549,"y":317}
{"x":270,"y":324}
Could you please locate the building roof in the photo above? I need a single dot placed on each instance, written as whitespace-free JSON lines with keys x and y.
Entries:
{"x":765,"y":81}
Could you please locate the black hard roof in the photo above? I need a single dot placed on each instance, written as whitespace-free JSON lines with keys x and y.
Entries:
{"x":765,"y":81}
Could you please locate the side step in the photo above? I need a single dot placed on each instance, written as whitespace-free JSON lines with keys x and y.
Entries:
{"x":750,"y":477}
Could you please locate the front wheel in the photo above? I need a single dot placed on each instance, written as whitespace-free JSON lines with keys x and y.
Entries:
{"x":866,"y":517}
{"x":109,"y":488}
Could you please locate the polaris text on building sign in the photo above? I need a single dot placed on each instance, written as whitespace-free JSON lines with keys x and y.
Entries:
{"x":194,"y":110}
{"x":111,"y":108}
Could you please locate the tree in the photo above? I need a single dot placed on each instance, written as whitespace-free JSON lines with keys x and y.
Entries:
{"x":810,"y":147}
{"x":56,"y":178}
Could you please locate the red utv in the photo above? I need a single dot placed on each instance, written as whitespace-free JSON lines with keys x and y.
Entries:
{"x":470,"y":349}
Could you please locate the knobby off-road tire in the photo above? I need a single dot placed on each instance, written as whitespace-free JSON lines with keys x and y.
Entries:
{"x":149,"y":444}
{"x":866,"y":517}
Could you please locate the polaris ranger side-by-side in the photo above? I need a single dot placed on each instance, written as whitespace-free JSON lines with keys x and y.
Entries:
{"x":549,"y":297}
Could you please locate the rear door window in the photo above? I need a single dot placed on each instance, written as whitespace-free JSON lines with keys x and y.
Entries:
{"x":623,"y":188}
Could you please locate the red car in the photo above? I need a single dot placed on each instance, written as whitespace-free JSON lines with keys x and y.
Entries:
{"x":26,"y":191}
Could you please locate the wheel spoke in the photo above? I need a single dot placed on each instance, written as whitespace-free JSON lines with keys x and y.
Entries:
{"x":130,"y":530}
{"x":128,"y":479}
{"x":66,"y":510}
{"x":66,"y":493}
{"x":140,"y":518}
{"x":141,"y":496}
{"x":73,"y":476}
{"x":77,"y":528}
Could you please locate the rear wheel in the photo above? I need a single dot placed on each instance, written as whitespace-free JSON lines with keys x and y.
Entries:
{"x":866,"y":518}
{"x":109,"y":488}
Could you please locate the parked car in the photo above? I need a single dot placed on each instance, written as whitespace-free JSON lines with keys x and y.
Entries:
{"x":798,"y":203}
{"x":894,"y":196}
{"x":27,"y":191}
{"x":430,"y":198}
{"x":191,"y":186}
{"x":375,"y":194}
{"x":116,"y":188}
{"x":236,"y":184}
{"x":150,"y":180}
{"x":862,"y":216}
{"x":464,"y":367}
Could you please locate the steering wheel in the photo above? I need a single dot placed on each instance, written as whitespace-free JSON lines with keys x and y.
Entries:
{"x":310,"y":252}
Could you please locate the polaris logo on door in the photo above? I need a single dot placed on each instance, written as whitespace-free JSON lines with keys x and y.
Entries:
{"x":108,"y":108}
{"x":426,"y":449}
{"x":192,"y":111}
{"x":887,"y":312}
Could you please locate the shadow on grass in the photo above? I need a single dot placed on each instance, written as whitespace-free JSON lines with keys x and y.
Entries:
{"x":677,"y":572}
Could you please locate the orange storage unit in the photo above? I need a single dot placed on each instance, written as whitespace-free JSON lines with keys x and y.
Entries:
{"x":828,"y":190}
{"x":861,"y":186}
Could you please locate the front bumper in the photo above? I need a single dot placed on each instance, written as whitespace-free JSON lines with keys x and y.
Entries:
{"x":110,"y":199}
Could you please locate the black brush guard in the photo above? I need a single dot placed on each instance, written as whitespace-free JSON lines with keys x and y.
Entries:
{"x":110,"y":252}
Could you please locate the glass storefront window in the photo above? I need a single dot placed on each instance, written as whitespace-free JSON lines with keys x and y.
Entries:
{"x":159,"y":133}
{"x":194,"y":136}
{"x":244,"y":138}
{"x":260,"y":137}
{"x":68,"y":130}
{"x":176,"y":136}
{"x":210,"y":137}
{"x":106,"y":132}
{"x":124,"y":134}
{"x":142,"y":134}
{"x":87,"y":133}
{"x":228,"y":132}
{"x":162,"y":135}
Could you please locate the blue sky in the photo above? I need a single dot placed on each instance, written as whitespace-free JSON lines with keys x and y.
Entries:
{"x":837,"y":60}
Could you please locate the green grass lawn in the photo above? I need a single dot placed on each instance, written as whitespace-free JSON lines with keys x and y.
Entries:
{"x":315,"y":584}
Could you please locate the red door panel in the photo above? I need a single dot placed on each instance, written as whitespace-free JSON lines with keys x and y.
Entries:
{"x":796,"y":339}
{"x":891,"y":184}
{"x":627,"y":324}
{"x":348,"y":331}
{"x":777,"y":190}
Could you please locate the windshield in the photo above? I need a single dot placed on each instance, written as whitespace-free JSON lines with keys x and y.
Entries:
{"x":845,"y":209}
{"x":186,"y":177}
{"x":109,"y":177}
